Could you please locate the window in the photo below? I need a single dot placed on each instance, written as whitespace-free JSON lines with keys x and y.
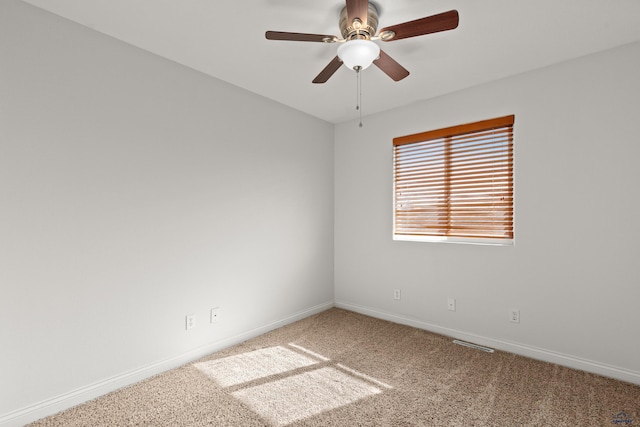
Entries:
{"x":455,"y":184}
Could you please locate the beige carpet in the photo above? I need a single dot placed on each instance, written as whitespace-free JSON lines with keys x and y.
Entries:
{"x":339,"y":368}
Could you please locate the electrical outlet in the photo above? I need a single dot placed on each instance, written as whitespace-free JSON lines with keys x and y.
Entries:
{"x":215,"y":314}
{"x":514,"y":315}
{"x":451,"y":304}
{"x":396,"y":294}
{"x":190,"y":321}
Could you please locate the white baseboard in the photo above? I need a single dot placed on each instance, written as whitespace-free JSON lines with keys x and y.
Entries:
{"x":56,"y":404}
{"x":520,"y":349}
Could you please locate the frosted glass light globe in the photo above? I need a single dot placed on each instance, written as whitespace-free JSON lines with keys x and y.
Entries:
{"x":358,"y":53}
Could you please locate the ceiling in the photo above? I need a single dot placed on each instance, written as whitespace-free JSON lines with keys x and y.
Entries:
{"x":225,"y":39}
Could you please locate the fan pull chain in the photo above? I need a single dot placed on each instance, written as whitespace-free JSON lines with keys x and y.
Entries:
{"x":359,"y":93}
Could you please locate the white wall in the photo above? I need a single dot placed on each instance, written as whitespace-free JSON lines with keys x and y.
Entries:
{"x":573,"y":272}
{"x":135,"y":191}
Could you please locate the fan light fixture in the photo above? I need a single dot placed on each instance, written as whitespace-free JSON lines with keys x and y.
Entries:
{"x":358,"y":54}
{"x":358,"y":24}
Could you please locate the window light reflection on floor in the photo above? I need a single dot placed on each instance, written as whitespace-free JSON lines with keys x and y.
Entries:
{"x":301,"y":396}
{"x":305,"y":384}
{"x":246,"y":367}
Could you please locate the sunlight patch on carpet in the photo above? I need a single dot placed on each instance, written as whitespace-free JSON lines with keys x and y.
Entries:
{"x":300,"y":396}
{"x":246,"y":367}
{"x":285,"y":384}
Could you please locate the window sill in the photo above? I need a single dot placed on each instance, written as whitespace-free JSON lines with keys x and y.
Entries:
{"x":458,"y":240}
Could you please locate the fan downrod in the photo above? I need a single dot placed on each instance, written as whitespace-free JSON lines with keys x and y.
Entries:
{"x":357,"y":29}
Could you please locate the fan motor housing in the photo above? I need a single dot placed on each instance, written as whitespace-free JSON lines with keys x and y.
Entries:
{"x":349,"y":32}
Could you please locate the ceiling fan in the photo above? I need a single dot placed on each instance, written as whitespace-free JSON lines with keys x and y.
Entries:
{"x":358,"y":25}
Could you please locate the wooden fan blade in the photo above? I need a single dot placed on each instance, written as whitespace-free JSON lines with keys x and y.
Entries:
{"x":428,"y":25}
{"x":328,"y":71}
{"x":300,"y":37}
{"x":358,"y":9}
{"x":390,"y":67}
